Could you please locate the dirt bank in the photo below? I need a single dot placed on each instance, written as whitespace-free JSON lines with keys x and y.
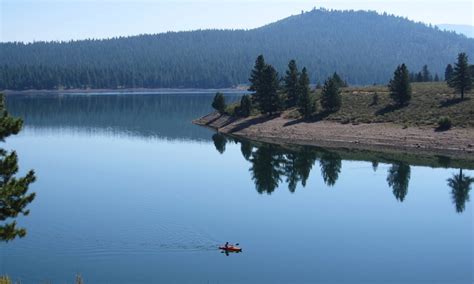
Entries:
{"x":456,"y":143}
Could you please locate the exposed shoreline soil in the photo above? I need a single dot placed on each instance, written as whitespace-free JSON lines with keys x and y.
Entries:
{"x":455,"y":143}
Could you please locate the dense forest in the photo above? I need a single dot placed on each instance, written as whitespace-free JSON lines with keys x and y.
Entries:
{"x":363,"y":47}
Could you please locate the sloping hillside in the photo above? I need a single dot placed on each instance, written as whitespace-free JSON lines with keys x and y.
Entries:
{"x":365,"y":47}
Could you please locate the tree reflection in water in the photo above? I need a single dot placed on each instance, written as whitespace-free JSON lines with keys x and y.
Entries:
{"x":271,"y":164}
{"x":460,"y":185}
{"x":398,"y":178}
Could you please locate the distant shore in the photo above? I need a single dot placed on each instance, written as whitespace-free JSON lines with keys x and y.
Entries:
{"x":456,"y":143}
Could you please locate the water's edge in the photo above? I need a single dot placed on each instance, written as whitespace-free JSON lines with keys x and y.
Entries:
{"x":419,"y":155}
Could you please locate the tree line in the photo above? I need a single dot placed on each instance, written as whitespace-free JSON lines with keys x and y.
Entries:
{"x":362,"y":46}
{"x":272,"y":93}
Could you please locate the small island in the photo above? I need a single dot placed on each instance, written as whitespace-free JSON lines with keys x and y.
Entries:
{"x":415,"y":113}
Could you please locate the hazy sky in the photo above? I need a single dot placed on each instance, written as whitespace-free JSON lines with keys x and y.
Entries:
{"x":30,"y":20}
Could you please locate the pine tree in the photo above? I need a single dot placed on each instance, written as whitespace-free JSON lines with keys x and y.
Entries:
{"x":461,"y":79}
{"x":400,"y":89}
{"x":338,"y":80}
{"x":306,"y":105}
{"x":291,"y":84}
{"x":331,"y":96}
{"x":448,"y":73}
{"x":267,"y":97}
{"x":256,"y":77}
{"x":219,"y":102}
{"x":426,"y":74}
{"x":436,"y":78}
{"x":13,"y":191}
{"x":245,"y":106}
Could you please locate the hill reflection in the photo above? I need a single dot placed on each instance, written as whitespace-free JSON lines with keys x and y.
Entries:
{"x":166,"y":116}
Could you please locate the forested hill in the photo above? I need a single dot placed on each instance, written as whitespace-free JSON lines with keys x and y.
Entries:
{"x":364,"y":47}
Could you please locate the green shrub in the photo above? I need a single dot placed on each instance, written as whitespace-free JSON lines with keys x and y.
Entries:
{"x":444,"y":123}
{"x":245,"y":106}
{"x":219,"y":102}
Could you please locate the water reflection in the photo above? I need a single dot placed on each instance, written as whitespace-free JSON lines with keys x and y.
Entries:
{"x":219,"y":142}
{"x":272,"y":164}
{"x":330,"y":163}
{"x":267,"y":168}
{"x":398,"y":179}
{"x":165,"y":116}
{"x":460,"y":185}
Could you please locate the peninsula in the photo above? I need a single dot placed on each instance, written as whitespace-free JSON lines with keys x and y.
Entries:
{"x":429,"y":117}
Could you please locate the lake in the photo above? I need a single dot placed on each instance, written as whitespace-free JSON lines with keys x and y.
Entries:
{"x":130,"y":191}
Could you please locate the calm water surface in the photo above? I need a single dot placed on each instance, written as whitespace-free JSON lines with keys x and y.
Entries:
{"x":129,"y":191}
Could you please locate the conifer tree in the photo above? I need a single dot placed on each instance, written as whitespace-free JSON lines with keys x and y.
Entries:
{"x":436,"y":78}
{"x":400,"y":89}
{"x":448,"y":73}
{"x":331,"y":96}
{"x":291,"y":84}
{"x":338,"y":80}
{"x":426,"y":74}
{"x":14,"y":196}
{"x":256,"y":77}
{"x":267,"y":97}
{"x":219,"y":102}
{"x":245,"y":106}
{"x":461,"y":79}
{"x":306,"y":105}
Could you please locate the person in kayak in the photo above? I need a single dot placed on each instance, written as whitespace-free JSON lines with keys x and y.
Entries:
{"x":226,"y":245}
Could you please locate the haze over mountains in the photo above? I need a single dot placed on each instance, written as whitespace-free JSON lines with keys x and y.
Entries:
{"x":466,"y":30}
{"x":364,"y":47}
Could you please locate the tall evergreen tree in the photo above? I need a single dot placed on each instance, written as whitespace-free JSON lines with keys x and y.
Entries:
{"x":306,"y":105}
{"x":256,"y":76}
{"x":426,"y":74}
{"x":436,"y":77}
{"x":419,"y":77}
{"x":448,"y":73}
{"x":400,"y":89}
{"x":461,"y":79}
{"x":267,"y":97}
{"x":331,"y":99}
{"x":14,"y":196}
{"x":291,"y":84}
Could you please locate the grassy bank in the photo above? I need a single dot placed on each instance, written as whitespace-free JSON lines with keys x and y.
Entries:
{"x":372,"y":104}
{"x":429,"y":102}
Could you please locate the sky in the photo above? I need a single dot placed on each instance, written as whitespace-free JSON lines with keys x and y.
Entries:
{"x":46,"y":20}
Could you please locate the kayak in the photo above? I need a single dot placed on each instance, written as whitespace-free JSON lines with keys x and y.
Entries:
{"x":231,"y":249}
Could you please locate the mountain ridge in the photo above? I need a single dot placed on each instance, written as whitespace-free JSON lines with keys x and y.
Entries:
{"x":365,"y":47}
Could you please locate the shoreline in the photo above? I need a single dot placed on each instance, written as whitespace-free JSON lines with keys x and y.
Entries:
{"x":128,"y":90}
{"x":381,"y":137}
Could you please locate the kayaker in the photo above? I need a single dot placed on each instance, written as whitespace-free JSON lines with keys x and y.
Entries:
{"x":226,"y":244}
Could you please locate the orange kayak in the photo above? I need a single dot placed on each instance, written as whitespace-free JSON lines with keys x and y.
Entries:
{"x":231,"y":248}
